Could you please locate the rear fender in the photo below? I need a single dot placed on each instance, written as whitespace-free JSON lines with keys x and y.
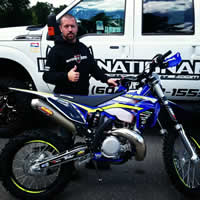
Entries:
{"x":40,"y":94}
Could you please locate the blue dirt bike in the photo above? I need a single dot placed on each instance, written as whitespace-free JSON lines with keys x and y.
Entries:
{"x":37,"y":165}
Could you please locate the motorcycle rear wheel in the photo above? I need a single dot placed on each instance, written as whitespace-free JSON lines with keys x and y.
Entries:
{"x":183,"y":173}
{"x":17,"y":158}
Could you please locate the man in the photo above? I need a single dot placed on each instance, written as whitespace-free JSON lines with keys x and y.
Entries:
{"x":71,"y":65}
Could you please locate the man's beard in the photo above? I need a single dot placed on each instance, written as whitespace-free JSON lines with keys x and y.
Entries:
{"x":70,"y":37}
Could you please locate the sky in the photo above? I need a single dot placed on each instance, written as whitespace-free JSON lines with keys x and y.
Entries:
{"x":56,"y":3}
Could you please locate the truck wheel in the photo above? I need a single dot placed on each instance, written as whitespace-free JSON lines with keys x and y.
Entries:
{"x":13,"y":107}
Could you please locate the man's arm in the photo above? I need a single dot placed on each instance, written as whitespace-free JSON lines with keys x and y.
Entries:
{"x":53,"y":76}
{"x":98,"y":74}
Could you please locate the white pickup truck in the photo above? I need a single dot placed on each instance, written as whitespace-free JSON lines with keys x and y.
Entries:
{"x":124,"y":36}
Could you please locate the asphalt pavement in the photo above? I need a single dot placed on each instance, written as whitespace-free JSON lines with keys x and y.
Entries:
{"x":144,"y":180}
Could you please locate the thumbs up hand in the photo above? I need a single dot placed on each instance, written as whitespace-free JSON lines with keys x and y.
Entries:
{"x":73,"y":75}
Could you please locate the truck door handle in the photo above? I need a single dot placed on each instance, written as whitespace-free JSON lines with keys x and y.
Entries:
{"x":196,"y":54}
{"x":114,"y":47}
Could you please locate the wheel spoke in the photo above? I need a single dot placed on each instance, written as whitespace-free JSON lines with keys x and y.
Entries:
{"x":187,"y":175}
{"x":34,"y":179}
{"x":23,"y":180}
{"x":20,"y":177}
{"x":185,"y":168}
{"x":193,"y":177}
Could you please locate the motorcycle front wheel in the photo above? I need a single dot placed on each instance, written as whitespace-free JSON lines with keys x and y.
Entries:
{"x":20,"y":179}
{"x":184,"y":174}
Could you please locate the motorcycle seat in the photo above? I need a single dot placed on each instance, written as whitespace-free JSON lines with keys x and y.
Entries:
{"x":92,"y":101}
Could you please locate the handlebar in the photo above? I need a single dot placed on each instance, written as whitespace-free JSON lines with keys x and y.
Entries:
{"x":159,"y":58}
{"x":167,"y":54}
{"x":158,"y":61}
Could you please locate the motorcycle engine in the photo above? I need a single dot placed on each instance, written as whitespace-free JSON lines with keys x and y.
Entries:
{"x":114,"y":147}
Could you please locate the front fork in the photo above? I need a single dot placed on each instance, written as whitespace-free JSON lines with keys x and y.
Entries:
{"x":194,"y":157}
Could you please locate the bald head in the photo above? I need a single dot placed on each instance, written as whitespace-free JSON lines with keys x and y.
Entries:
{"x":67,"y":16}
{"x":69,"y":28}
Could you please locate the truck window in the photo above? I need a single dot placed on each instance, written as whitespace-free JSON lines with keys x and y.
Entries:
{"x":168,"y":17}
{"x":100,"y":17}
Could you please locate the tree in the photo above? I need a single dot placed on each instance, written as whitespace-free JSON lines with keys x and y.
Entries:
{"x":14,"y":13}
{"x":40,"y":12}
{"x":59,"y":9}
{"x":19,"y":12}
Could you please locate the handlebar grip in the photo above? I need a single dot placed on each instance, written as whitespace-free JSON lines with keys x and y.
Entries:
{"x":167,"y":54}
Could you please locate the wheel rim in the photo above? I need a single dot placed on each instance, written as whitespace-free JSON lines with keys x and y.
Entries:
{"x":188,"y":171}
{"x":27,"y":179}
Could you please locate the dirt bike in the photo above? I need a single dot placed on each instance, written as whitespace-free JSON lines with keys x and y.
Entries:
{"x":37,"y":165}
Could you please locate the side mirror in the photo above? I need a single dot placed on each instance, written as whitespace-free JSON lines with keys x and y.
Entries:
{"x":53,"y":27}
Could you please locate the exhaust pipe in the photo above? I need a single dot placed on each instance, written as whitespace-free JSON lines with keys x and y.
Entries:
{"x":49,"y":111}
{"x":135,"y":139}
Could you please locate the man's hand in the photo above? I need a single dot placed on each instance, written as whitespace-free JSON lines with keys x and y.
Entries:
{"x":73,"y":75}
{"x":112,"y":82}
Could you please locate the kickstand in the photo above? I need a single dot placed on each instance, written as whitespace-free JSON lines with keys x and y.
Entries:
{"x":97,"y":171}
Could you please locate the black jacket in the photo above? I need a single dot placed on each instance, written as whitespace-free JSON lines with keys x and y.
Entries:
{"x":62,"y":58}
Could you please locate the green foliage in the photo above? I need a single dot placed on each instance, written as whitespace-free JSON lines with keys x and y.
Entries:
{"x":59,"y":9}
{"x":40,"y":12}
{"x":14,"y":13}
{"x":19,"y":13}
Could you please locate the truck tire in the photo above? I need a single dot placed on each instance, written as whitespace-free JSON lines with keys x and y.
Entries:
{"x":14,"y":107}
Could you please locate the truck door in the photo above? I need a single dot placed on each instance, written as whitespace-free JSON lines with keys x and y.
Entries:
{"x":165,"y":25}
{"x":103,"y":26}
